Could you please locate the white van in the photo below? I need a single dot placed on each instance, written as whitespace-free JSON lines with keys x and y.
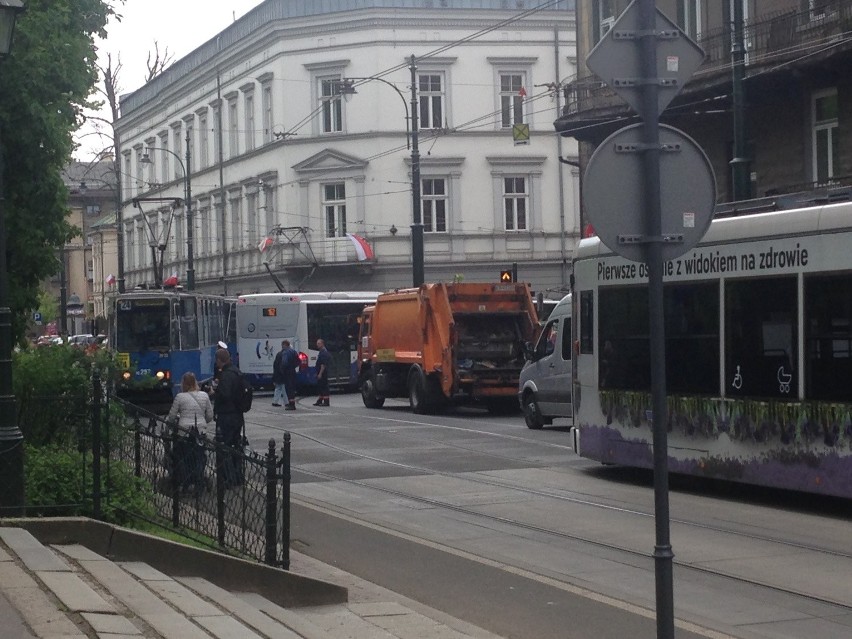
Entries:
{"x":545,"y":388}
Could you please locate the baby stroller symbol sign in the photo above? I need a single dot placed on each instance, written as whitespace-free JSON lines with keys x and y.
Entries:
{"x":784,"y":380}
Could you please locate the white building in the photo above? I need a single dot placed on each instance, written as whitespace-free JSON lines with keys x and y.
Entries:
{"x":276,"y":149}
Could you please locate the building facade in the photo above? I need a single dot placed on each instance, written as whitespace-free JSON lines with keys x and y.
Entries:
{"x":294,"y":126}
{"x":771,"y":105}
{"x":83,"y":286}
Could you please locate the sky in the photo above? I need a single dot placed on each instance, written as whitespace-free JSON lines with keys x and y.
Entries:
{"x":180,"y":25}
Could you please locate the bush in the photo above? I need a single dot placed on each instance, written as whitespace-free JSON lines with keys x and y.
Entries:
{"x":59,"y":482}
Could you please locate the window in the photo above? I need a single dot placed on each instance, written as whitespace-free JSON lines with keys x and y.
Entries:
{"x":689,"y":17}
{"x":828,"y":338}
{"x":512,"y":94}
{"x":166,"y":160}
{"x":825,"y":139}
{"x":604,"y":17}
{"x":334,"y":206}
{"x":203,"y":139}
{"x":204,"y":223}
{"x":252,"y":218}
{"x":434,"y":205}
{"x":266,"y":99}
{"x":217,"y":129}
{"x":235,"y":199}
{"x":189,"y":142}
{"x":431,"y":99}
{"x":233,"y":129}
{"x":249,"y":107}
{"x":761,"y":345}
{"x":127,"y":175}
{"x":331,"y":104}
{"x":515,"y":203}
{"x":587,"y":322}
{"x":177,"y":144}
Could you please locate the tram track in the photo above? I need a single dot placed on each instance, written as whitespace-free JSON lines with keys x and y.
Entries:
{"x":549,"y":495}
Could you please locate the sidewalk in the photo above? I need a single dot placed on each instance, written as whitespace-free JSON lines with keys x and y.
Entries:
{"x":75,"y":578}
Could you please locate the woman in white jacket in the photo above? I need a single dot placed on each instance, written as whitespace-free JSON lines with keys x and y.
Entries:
{"x":192,"y":405}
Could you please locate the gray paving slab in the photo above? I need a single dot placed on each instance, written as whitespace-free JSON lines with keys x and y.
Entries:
{"x":110,"y":624}
{"x":31,"y":551}
{"x":143,"y":571}
{"x":142,"y":602}
{"x":245,"y":611}
{"x":182,"y":598}
{"x":5,"y":556}
{"x":340,"y":622}
{"x":296,"y":621}
{"x":77,"y":552}
{"x":74,"y":593}
{"x":12,"y":622}
{"x":223,"y":627}
{"x":34,"y":606}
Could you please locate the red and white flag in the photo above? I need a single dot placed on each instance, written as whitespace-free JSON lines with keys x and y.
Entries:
{"x":264,"y":244}
{"x":172,"y":280}
{"x":110,"y":280}
{"x":522,"y":92}
{"x":362,"y":249}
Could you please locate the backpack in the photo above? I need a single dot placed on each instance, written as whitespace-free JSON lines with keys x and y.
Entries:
{"x":244,"y":393}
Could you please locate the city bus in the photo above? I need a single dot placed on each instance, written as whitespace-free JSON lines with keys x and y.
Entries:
{"x":265,"y":319}
{"x":158,"y":335}
{"x":758,"y":352}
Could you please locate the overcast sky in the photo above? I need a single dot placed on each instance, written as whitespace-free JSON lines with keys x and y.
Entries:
{"x":180,"y":25}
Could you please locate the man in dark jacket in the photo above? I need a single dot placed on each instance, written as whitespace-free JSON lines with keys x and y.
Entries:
{"x":290,"y":363}
{"x":323,"y":362}
{"x":279,"y":378}
{"x":229,"y":418}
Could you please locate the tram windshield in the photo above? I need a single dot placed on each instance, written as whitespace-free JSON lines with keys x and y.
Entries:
{"x":142,"y":325}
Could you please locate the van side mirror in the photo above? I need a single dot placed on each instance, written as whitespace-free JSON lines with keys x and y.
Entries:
{"x":529,"y":351}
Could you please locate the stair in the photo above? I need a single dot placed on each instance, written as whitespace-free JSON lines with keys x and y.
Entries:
{"x":68,"y":591}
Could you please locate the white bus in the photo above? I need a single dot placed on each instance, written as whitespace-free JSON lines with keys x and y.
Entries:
{"x":758,"y":321}
{"x":265,"y":319}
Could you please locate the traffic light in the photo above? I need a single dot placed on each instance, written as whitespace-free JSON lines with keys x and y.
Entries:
{"x":506,"y":276}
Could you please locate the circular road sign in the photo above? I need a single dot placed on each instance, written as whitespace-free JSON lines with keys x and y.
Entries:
{"x":613,"y":190}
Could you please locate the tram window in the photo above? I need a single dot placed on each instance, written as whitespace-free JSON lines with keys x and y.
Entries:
{"x":692,"y":338}
{"x":188,"y":323}
{"x":587,"y":322}
{"x":761,"y":328}
{"x":623,"y":344}
{"x":828,"y":338}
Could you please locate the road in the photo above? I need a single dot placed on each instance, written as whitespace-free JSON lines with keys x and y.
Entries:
{"x":506,"y":528}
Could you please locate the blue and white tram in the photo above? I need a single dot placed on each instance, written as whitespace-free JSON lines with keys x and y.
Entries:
{"x":758,"y":322}
{"x":158,"y":335}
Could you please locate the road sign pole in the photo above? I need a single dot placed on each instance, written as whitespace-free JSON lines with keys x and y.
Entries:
{"x":654,"y":250}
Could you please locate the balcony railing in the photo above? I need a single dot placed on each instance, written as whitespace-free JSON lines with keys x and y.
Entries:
{"x":771,"y":40}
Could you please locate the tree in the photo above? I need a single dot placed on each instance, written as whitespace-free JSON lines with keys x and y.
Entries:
{"x":47,"y":81}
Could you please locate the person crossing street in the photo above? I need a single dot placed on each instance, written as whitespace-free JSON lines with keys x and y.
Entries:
{"x":323,"y":362}
{"x":290,"y":363}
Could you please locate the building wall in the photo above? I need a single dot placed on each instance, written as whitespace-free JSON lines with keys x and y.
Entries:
{"x":275,"y":170}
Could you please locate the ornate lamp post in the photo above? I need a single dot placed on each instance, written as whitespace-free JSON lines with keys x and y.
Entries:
{"x":348,"y":88}
{"x":11,"y":438}
{"x":146,"y":159}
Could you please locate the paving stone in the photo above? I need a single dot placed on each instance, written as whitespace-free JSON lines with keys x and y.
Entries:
{"x":31,"y":552}
{"x":74,"y":593}
{"x":183,"y":599}
{"x":223,"y":627}
{"x":143,"y":571}
{"x":34,"y":606}
{"x":110,"y":624}
{"x":77,"y":552}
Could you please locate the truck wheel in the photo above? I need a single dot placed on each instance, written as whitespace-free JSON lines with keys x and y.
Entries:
{"x":417,"y":393}
{"x":368,"y":393}
{"x":532,"y":413}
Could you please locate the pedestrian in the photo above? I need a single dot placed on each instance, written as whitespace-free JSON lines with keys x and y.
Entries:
{"x":279,"y":377}
{"x":323,"y":362}
{"x":191,"y":407}
{"x":229,"y":418}
{"x":291,"y":363}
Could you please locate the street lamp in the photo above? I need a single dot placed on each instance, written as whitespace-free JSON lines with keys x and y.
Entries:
{"x":11,"y":437}
{"x":146,"y":159}
{"x":348,"y":88}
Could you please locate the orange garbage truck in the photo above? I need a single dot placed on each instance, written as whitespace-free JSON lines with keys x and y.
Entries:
{"x":446,"y":343}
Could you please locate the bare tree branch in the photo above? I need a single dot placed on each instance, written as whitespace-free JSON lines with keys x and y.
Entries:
{"x":158,"y":63}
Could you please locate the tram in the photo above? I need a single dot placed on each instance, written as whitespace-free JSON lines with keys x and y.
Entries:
{"x":158,"y":335}
{"x":758,"y":323}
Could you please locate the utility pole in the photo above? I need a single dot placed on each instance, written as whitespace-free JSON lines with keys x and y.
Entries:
{"x":190,"y":267}
{"x":740,"y":178}
{"x":417,"y":226}
{"x":221,"y":160}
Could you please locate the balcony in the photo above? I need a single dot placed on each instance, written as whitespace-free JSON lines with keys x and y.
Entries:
{"x":774,"y":42}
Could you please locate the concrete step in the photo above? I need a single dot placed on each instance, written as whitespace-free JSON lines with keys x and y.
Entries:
{"x":68,"y":591}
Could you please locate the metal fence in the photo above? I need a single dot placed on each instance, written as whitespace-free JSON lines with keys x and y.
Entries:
{"x":121,"y":462}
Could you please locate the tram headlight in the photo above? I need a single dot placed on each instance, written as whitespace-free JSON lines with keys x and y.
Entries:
{"x":126,"y":376}
{"x":161,"y":375}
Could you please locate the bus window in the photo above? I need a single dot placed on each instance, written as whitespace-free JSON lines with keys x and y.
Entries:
{"x":587,"y":320}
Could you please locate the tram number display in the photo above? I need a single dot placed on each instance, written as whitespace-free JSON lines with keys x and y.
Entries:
{"x":270,"y":311}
